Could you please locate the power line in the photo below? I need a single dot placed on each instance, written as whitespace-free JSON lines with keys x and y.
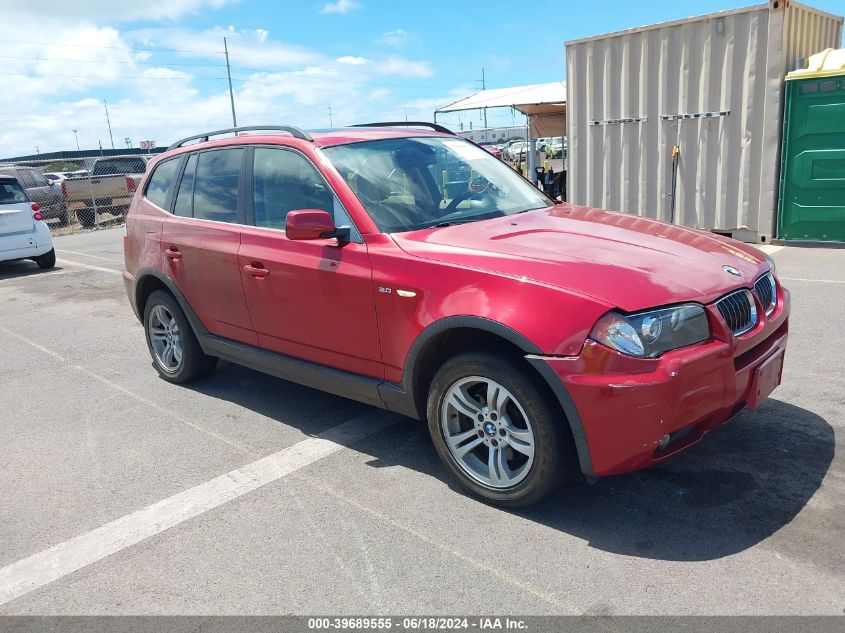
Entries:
{"x":122,"y":48}
{"x":109,"y":61}
{"x":107,"y":77}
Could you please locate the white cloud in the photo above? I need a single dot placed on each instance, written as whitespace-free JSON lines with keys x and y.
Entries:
{"x":404,"y":68}
{"x":165,"y":81}
{"x":101,"y":11}
{"x":247,"y":48}
{"x":341,"y":6}
{"x":395,"y":38}
{"x":351,"y":60}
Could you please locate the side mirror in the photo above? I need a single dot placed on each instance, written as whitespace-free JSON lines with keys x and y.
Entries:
{"x":310,"y":224}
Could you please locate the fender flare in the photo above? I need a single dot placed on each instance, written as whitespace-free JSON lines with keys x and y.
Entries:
{"x":145,"y":273}
{"x":402,"y":398}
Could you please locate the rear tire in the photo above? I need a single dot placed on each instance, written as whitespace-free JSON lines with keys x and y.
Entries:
{"x":506,"y":441}
{"x":86,"y":218}
{"x":47,"y":260}
{"x":173,"y":346}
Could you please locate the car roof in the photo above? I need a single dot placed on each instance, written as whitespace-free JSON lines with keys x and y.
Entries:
{"x":320,"y":138}
{"x":343,"y":135}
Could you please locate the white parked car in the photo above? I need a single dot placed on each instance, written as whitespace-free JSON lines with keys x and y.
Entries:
{"x":23,"y":233}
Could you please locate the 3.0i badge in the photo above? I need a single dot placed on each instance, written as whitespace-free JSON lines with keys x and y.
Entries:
{"x":732,"y":271}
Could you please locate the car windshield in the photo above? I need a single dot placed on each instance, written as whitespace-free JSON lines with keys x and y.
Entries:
{"x":414,"y":183}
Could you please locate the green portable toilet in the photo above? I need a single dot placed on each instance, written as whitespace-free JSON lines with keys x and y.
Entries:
{"x":812,"y":192}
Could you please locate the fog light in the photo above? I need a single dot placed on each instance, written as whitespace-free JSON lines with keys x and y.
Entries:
{"x":663,"y":443}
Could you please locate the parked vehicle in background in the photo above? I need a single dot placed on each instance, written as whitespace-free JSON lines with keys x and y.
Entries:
{"x":104,"y":190}
{"x":58,"y":176}
{"x":517,"y":150}
{"x":556,"y":148}
{"x":493,"y":150}
{"x":40,"y":190}
{"x":411,"y":270}
{"x":23,"y":234}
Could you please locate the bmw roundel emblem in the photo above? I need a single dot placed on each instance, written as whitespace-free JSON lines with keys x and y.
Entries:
{"x":732,"y":271}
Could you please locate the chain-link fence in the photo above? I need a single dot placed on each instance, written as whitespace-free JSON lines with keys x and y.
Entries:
{"x":80,"y":193}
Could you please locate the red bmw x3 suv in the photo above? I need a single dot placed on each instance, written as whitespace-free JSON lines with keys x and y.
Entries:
{"x":409,"y":269}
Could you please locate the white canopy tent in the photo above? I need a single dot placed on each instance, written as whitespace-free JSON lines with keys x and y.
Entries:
{"x":543,"y":104}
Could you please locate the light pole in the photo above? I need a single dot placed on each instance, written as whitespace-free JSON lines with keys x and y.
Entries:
{"x":77,"y":139}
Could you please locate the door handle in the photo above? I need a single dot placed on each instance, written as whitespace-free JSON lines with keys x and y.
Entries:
{"x":173,"y":253}
{"x":257,"y":270}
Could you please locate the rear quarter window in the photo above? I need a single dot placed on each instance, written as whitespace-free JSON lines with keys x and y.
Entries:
{"x":161,"y":182}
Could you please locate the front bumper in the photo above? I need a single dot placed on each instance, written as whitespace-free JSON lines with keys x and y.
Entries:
{"x":620,"y":407}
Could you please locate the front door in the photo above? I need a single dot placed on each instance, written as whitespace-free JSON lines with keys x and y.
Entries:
{"x":312,"y":299}
{"x":200,"y":242}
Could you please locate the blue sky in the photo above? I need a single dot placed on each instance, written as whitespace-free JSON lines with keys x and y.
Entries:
{"x":159,"y":63}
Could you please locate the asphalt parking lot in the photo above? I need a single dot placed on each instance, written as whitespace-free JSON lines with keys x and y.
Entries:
{"x":245,"y":494}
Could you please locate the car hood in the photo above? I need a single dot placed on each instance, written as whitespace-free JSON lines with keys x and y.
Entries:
{"x":624,"y":260}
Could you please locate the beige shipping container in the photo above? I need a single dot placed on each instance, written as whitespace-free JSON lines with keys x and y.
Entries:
{"x":697,"y":103}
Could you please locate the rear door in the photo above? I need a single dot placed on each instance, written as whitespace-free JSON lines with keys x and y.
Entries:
{"x":16,"y":222}
{"x":311,"y":299}
{"x":200,"y":241}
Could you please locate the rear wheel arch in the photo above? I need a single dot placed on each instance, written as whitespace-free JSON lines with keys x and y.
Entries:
{"x":148,"y":280}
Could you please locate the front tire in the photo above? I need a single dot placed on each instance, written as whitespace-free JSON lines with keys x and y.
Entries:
{"x":496,"y":432}
{"x":175,"y":350}
{"x":47,"y":260}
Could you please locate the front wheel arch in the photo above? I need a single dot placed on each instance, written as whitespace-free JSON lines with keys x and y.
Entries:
{"x":450,"y":336}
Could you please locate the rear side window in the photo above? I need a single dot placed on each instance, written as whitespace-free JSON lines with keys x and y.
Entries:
{"x":185,"y":196}
{"x":161,"y":182}
{"x":216,"y":186}
{"x":11,"y":192}
{"x":38,"y":178}
{"x":26,"y":178}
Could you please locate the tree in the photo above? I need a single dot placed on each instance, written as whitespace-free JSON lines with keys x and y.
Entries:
{"x":61,"y":165}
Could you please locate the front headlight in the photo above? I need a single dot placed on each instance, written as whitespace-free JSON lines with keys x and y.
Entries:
{"x":649,"y":334}
{"x":772,"y":264}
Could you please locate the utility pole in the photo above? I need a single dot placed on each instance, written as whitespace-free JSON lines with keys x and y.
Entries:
{"x":77,"y":139}
{"x":331,"y":122}
{"x":111,"y":138}
{"x":229,"y":75}
{"x":37,"y":151}
{"x":484,"y":87}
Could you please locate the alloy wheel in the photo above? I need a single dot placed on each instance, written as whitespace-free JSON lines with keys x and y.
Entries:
{"x":487,"y":432}
{"x":165,"y":339}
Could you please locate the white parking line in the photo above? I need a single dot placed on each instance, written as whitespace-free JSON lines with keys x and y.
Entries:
{"x":820,"y":281}
{"x":36,"y":275}
{"x":42,"y":568}
{"x":73,"y":264}
{"x":770,"y":248}
{"x":105,"y":259}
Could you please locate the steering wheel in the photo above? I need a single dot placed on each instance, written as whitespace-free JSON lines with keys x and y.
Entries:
{"x":466,"y":195}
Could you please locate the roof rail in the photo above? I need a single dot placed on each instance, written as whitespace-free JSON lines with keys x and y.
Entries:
{"x":293,"y":131}
{"x":433,"y":126}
